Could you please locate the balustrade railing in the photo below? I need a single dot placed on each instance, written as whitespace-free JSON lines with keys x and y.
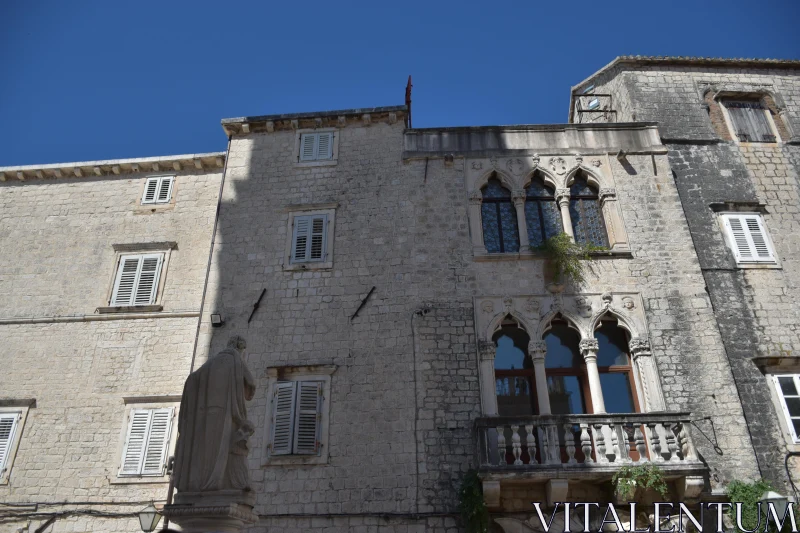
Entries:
{"x":585,"y":440}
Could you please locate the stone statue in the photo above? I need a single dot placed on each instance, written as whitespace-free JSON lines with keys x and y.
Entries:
{"x":213,"y":428}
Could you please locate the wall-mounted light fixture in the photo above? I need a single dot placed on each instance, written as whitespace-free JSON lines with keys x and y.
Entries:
{"x":216,"y":320}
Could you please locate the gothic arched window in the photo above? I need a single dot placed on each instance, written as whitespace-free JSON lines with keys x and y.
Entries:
{"x":499,"y":219}
{"x":614,"y":366}
{"x":567,"y":385}
{"x":513,"y":372}
{"x":541,"y":212}
{"x":584,"y":210}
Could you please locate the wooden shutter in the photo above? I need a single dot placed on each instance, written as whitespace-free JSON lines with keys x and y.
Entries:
{"x":300,"y":238}
{"x":309,"y":399}
{"x":750,"y":121}
{"x":8,"y":425}
{"x":319,"y":234}
{"x":325,"y":145}
{"x":133,"y":453}
{"x":155,"y":452}
{"x":164,"y":189}
{"x":308,"y":146}
{"x":137,"y":280}
{"x":147,"y":284}
{"x":283,"y":410}
{"x":126,"y":280}
{"x":749,"y":238}
{"x":150,"y":190}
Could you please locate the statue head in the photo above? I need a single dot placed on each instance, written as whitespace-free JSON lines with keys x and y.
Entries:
{"x":237,"y":343}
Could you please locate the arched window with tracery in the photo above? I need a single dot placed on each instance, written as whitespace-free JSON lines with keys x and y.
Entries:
{"x":614,"y":366}
{"x":542,"y":215}
{"x":499,"y":219}
{"x":584,"y":210}
{"x":567,"y":385}
{"x":513,"y":371}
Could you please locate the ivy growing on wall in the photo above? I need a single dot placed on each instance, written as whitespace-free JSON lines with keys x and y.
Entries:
{"x":471,"y":505}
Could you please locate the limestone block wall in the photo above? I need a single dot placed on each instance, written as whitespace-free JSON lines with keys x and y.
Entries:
{"x":82,"y":369}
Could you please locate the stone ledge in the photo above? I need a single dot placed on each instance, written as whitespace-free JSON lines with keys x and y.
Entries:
{"x":131,"y":309}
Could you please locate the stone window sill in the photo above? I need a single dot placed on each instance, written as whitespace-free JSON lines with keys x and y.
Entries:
{"x":759,"y":266}
{"x":296,"y":460}
{"x":327,"y":265}
{"x":535,"y":254}
{"x":131,"y":309}
{"x":138,"y":480}
{"x":324,"y":163}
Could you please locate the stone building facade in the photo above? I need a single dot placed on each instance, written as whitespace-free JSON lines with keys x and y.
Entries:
{"x":726,"y":168}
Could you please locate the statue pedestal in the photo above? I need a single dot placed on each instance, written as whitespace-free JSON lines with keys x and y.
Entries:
{"x":222,"y":511}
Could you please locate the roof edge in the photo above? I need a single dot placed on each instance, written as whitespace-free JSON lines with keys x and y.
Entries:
{"x":315,"y":114}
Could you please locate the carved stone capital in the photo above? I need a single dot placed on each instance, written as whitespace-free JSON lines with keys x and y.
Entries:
{"x":476,"y":197}
{"x":639,"y":347}
{"x":607,"y":194}
{"x":562,"y":195}
{"x":589,"y":345}
{"x":518,"y":196}
{"x":537,"y":349}
{"x":487,"y":350}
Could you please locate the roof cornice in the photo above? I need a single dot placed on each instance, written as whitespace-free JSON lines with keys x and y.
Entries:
{"x":114,"y":167}
{"x":315,"y":119}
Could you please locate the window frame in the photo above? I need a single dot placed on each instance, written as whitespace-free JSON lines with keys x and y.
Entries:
{"x":116,"y":477}
{"x":20,"y":410}
{"x":159,"y":179}
{"x":312,"y":210}
{"x":297,"y":156}
{"x":497,"y":214}
{"x":317,"y":373}
{"x":787,"y":417}
{"x":578,"y":200}
{"x":141,"y":249}
{"x":723,"y":103}
{"x":730,"y":240}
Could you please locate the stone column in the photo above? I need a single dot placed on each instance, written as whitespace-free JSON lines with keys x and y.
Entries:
{"x":562,"y":197}
{"x":538,"y":351}
{"x":486,"y":351}
{"x":617,"y":236}
{"x":518,"y":197}
{"x":648,"y":375}
{"x":589,"y":349}
{"x":475,"y":222}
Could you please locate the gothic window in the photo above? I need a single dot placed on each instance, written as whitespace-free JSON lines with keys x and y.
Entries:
{"x":499,"y":218}
{"x":541,"y":213}
{"x":567,"y":385}
{"x":584,"y":210}
{"x":614,"y":366}
{"x":513,"y":370}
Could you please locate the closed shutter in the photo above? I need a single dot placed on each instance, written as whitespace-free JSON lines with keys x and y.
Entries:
{"x":164,"y":190}
{"x":126,"y":280}
{"x":137,"y":280}
{"x":150,"y":190}
{"x":318,"y":238}
{"x":283,"y":410}
{"x":8,"y":425}
{"x":309,"y":238}
{"x":147,"y":442}
{"x":136,"y":442}
{"x":308,"y":147}
{"x":325,"y":146}
{"x":750,"y":121}
{"x":149,"y":269}
{"x":749,"y":238}
{"x":300,"y":238}
{"x":309,"y":399}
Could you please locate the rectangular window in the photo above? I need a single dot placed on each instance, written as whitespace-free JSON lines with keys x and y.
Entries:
{"x":296,"y":417}
{"x":309,"y":238}
{"x":316,"y":146}
{"x":158,"y":190}
{"x":147,"y":442}
{"x":748,"y":238}
{"x":749,"y":121}
{"x":788,"y":387}
{"x":136,"y":282}
{"x":8,"y":428}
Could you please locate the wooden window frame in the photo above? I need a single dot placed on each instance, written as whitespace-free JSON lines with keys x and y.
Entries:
{"x":297,"y":157}
{"x":115,"y":475}
{"x":724,"y":100}
{"x":579,"y":200}
{"x":730,"y":241}
{"x":20,"y":412}
{"x":787,"y":417}
{"x":326,"y":210}
{"x":159,"y":180}
{"x":123,"y":250}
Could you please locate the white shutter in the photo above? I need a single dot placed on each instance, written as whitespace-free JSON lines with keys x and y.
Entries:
{"x":309,"y":399}
{"x":157,"y":442}
{"x":308,"y":146}
{"x":126,"y":280}
{"x":318,"y":238}
{"x":300,"y":238}
{"x":150,"y":189}
{"x":8,"y":426}
{"x":325,"y":145}
{"x":749,"y":238}
{"x":135,"y":444}
{"x":164,"y":190}
{"x":283,"y":417}
{"x":147,"y":284}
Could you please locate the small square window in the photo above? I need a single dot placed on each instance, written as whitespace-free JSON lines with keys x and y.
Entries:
{"x":748,"y":239}
{"x":158,"y":190}
{"x":309,"y":245}
{"x":136,"y":281}
{"x":316,"y":146}
{"x":749,"y":121}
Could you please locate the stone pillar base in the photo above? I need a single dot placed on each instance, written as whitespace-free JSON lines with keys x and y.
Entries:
{"x":223,"y":511}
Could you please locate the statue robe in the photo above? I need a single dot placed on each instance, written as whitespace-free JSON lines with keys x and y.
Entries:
{"x":212,"y":412}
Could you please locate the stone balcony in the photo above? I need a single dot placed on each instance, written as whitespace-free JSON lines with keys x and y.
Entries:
{"x":560,"y":449}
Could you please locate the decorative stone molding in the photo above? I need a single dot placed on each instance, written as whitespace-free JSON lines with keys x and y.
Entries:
{"x":562,"y":196}
{"x":578,"y":160}
{"x":508,"y":304}
{"x":537,"y":349}
{"x":583,"y":306}
{"x":487,"y":350}
{"x":588,"y":345}
{"x":558,"y":165}
{"x":535,"y":160}
{"x":493,"y":161}
{"x":690,"y":488}
{"x":491,"y":493}
{"x":515,"y":166}
{"x":477,"y":165}
{"x":556,"y":491}
{"x":596,"y":163}
{"x":518,"y":196}
{"x":607,"y":194}
{"x":476,"y":198}
{"x":639,"y":347}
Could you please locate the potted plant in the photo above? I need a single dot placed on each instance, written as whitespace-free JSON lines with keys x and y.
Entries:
{"x":632,"y":482}
{"x":564,"y":261}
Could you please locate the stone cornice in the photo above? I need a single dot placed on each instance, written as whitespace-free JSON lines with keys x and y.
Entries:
{"x":315,"y":119}
{"x":114,"y":167}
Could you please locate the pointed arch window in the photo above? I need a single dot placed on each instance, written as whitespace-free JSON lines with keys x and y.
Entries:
{"x":567,"y":385}
{"x":542,"y":215}
{"x":513,"y":370}
{"x":584,"y":210}
{"x":499,"y":219}
{"x":614,"y":366}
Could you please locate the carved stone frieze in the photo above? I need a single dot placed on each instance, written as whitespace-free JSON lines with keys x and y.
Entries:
{"x":639,"y":346}
{"x":558,"y":165}
{"x":486,"y":349}
{"x":515,"y":166}
{"x":477,"y":165}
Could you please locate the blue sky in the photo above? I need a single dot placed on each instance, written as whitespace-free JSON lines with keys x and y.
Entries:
{"x":87,"y":80}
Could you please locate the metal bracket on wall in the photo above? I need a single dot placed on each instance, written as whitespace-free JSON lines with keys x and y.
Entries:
{"x":363,"y":302}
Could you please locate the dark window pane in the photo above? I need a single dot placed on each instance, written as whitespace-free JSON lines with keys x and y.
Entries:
{"x":508,"y":220}
{"x":537,"y":189}
{"x":584,"y":210}
{"x":533,"y":218}
{"x":613,"y":343}
{"x":552,"y":219}
{"x":617,"y":392}
{"x":787,"y":386}
{"x":495,"y":189}
{"x":796,"y":424}
{"x":566,"y":395}
{"x":491,"y":227}
{"x":562,"y":347}
{"x":508,"y":356}
{"x":793,"y":404}
{"x":499,"y":219}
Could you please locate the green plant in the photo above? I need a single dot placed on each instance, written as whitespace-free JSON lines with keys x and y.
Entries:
{"x":748,"y":494}
{"x":565,"y":257}
{"x":471,"y":505}
{"x":646,"y":476}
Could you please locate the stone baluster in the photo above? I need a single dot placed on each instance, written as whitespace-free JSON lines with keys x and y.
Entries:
{"x":624,"y":445}
{"x":648,"y":375}
{"x":638,"y":439}
{"x":562,"y":197}
{"x":486,"y":353}
{"x":655,"y":443}
{"x":518,"y":197}
{"x":530,"y":441}
{"x":475,"y":222}
{"x":589,"y":349}
{"x":671,"y":444}
{"x":685,"y":444}
{"x":549,"y":444}
{"x":501,"y":446}
{"x":516,"y":445}
{"x":600,"y":443}
{"x":569,"y":444}
{"x":537,"y":351}
{"x":586,"y":443}
{"x":614,"y":442}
